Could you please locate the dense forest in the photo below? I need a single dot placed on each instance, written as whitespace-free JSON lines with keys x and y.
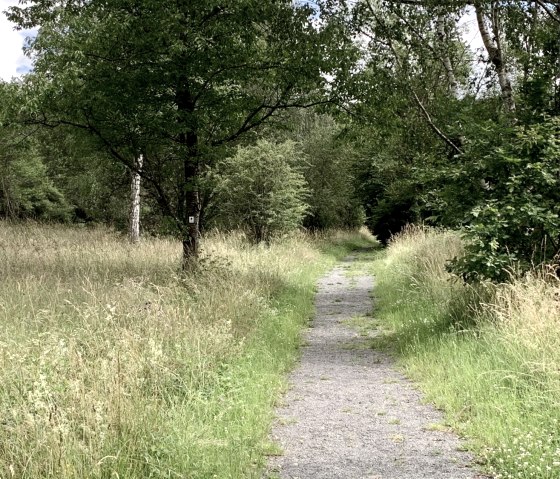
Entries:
{"x":268,"y":116}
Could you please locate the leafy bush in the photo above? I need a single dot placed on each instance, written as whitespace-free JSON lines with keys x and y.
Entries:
{"x":517,"y":224}
{"x":259,"y":190}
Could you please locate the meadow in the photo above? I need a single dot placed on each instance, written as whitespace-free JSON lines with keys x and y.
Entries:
{"x":488,"y":355}
{"x":116,"y":364}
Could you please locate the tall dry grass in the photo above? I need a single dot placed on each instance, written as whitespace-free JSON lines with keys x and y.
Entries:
{"x":115,"y":364}
{"x":489,"y":355}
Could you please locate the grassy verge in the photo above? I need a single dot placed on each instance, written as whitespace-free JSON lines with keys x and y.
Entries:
{"x":488,"y":355}
{"x":113,"y":364}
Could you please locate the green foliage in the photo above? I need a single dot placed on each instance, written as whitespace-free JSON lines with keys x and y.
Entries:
{"x":26,"y":190}
{"x":516,"y":225}
{"x":328,"y":164}
{"x":503,"y":194}
{"x":184,"y":83}
{"x":532,"y":36}
{"x":176,"y":81}
{"x":94,"y":183}
{"x":406,"y":97}
{"x":261,"y":191}
{"x":330,"y":174}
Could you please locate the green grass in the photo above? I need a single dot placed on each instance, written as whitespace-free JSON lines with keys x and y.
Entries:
{"x":115,"y":364}
{"x":487,"y":355}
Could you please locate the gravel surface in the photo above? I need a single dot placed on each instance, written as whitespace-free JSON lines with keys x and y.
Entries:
{"x":349,"y":413}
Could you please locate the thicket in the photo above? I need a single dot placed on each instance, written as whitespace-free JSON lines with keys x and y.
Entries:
{"x":515,"y":224}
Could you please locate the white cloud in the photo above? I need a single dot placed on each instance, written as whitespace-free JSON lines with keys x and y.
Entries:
{"x":13,"y":63}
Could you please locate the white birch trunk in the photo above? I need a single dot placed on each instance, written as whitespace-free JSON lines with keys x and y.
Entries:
{"x":134,"y":226}
{"x":451,"y":79}
{"x":495,"y":55}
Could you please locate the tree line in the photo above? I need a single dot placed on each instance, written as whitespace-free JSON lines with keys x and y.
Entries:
{"x":270,"y":115}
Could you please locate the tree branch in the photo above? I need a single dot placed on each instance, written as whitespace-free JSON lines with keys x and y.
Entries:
{"x":253,"y":120}
{"x":547,"y":10}
{"x":433,"y":126}
{"x":425,"y":112}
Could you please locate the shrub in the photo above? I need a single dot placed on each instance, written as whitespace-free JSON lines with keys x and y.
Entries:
{"x":259,"y":190}
{"x":26,"y":191}
{"x":517,"y":225}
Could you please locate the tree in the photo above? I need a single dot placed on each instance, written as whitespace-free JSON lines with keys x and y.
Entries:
{"x":26,"y":191}
{"x":134,"y":222}
{"x":261,"y":191}
{"x":174,"y":81}
{"x":328,"y":160}
{"x":411,"y":114}
{"x":493,"y":44}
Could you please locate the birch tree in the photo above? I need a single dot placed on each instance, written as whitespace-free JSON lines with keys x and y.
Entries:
{"x":441,"y":23}
{"x":136,"y":178}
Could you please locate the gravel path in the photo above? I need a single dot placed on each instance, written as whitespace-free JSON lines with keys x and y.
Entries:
{"x":350,"y":414}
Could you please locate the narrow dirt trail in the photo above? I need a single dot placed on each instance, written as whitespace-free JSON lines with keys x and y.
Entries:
{"x":349,"y":413}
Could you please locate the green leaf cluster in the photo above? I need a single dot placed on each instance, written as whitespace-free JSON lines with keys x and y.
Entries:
{"x":26,"y":188}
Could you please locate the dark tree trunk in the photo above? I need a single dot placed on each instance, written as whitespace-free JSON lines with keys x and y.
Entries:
{"x":188,"y":204}
{"x":191,"y":218}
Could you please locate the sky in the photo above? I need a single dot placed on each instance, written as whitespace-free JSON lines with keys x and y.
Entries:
{"x":471,"y":34}
{"x":13,"y":62}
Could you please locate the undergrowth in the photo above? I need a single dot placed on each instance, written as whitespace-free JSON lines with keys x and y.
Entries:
{"x":488,"y":355}
{"x":114,"y":364}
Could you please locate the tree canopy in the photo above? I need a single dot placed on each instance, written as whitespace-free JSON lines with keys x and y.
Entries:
{"x":177,"y":81}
